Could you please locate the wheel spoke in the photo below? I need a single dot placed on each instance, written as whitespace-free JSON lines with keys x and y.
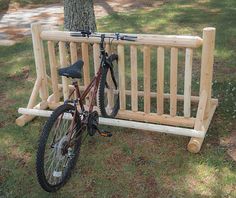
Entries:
{"x":54,"y":160}
{"x":49,"y":174}
{"x":57,"y":161}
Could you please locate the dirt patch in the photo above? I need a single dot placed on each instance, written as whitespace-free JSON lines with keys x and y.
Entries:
{"x":230,"y":144}
{"x":14,"y":32}
{"x":152,"y":186}
{"x":59,"y":16}
{"x":3,"y":171}
{"x":117,"y":159}
{"x":22,"y":159}
{"x":3,"y":101}
{"x":219,"y":66}
{"x":22,"y":75}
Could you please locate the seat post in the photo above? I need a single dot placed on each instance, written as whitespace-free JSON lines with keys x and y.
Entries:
{"x":75,"y":83}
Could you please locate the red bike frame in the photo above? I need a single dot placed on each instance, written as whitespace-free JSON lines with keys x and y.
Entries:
{"x":94,"y":83}
{"x":80,"y":98}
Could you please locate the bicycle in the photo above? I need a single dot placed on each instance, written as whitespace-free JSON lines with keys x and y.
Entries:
{"x":61,"y":137}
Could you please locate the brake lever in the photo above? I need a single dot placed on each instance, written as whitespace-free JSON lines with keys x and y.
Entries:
{"x":117,"y":35}
{"x":85,"y":33}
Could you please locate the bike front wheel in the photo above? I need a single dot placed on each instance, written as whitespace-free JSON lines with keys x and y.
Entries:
{"x":109,"y":88}
{"x":58,"y":149}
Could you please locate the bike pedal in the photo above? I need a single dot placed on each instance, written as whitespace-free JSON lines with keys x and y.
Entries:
{"x":105,"y":134}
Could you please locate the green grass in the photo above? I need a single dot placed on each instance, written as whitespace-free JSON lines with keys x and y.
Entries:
{"x":132,"y":163}
{"x":183,"y":17}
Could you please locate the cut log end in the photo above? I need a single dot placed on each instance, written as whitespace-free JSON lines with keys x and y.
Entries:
{"x":22,"y":120}
{"x":195,"y":145}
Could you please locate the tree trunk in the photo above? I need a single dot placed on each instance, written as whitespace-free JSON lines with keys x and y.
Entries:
{"x":79,"y":15}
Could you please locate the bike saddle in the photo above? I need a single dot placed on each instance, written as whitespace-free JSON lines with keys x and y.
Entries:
{"x":73,"y":71}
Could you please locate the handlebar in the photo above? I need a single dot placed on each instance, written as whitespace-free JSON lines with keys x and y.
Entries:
{"x":117,"y":36}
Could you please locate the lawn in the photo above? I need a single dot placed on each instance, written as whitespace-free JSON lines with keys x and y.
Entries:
{"x":132,"y":163}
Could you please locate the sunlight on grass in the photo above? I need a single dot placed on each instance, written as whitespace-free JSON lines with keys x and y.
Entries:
{"x":202,"y":179}
{"x":224,"y":54}
{"x":183,"y":17}
{"x":206,"y":180}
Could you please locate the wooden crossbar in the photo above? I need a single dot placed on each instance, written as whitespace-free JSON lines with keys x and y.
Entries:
{"x":124,"y":123}
{"x":153,"y":40}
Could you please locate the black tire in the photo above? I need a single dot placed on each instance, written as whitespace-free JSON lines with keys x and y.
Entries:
{"x":57,"y":148}
{"x":102,"y":96}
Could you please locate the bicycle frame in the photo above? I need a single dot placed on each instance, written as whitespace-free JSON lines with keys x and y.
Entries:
{"x":81,"y":97}
{"x":94,"y":83}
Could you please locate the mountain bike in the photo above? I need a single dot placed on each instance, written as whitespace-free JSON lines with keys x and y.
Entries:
{"x":61,"y":137}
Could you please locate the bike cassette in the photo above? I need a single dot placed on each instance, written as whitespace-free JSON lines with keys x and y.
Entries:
{"x":92,"y":125}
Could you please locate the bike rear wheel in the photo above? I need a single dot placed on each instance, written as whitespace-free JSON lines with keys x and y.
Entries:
{"x":58,"y":151}
{"x":109,"y":89}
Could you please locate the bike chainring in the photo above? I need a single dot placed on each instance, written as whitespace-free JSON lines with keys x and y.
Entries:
{"x":92,"y":125}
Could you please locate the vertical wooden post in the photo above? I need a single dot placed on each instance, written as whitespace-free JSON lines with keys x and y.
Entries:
{"x":110,"y":91}
{"x":121,"y":67}
{"x":146,"y":71}
{"x":34,"y":94}
{"x":188,"y":82}
{"x":205,"y":81}
{"x":73,"y":52}
{"x":41,"y":85}
{"x":85,"y":57}
{"x":96,"y":59}
{"x":207,"y":63}
{"x":73,"y":57}
{"x":53,"y":68}
{"x":173,"y":81}
{"x":195,"y":144}
{"x":63,"y":63}
{"x":160,"y":80}
{"x":40,"y":62}
{"x":134,"y":76}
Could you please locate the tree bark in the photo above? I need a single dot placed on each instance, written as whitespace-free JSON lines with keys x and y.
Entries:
{"x":79,"y":15}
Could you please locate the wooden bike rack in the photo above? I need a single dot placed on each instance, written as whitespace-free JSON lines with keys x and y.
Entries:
{"x":130,"y":114}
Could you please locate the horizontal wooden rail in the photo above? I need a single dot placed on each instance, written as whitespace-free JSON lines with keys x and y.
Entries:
{"x":124,"y":123}
{"x":194,"y":99}
{"x":142,"y":39}
{"x":158,"y":119}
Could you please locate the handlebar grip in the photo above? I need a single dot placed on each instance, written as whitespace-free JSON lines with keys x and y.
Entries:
{"x":126,"y":38}
{"x":87,"y":32}
{"x":81,"y":33}
{"x":78,"y":34}
{"x":129,"y":39}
